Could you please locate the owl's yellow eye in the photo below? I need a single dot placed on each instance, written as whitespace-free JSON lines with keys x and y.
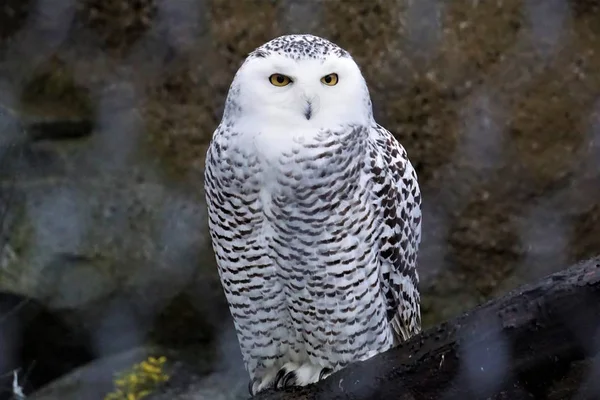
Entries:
{"x":330,"y":80}
{"x":279,"y":80}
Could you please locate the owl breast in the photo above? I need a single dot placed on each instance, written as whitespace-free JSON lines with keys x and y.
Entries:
{"x":320,"y":232}
{"x":295,"y":230}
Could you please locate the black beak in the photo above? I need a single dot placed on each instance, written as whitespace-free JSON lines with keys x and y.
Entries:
{"x":308,"y":112}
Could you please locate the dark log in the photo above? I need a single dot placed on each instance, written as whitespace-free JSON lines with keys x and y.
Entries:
{"x":540,"y":341}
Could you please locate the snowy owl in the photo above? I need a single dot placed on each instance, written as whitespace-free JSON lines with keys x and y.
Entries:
{"x":314,"y":215}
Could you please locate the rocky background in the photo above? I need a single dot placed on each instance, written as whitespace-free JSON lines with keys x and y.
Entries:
{"x":106,"y":110}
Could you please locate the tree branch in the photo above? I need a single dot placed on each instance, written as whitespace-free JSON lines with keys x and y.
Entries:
{"x":538,"y":341}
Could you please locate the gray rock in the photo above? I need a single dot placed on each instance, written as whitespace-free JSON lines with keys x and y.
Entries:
{"x":96,"y":379}
{"x":189,"y":377}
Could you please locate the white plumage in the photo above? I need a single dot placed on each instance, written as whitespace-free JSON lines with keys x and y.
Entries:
{"x":314,"y":215}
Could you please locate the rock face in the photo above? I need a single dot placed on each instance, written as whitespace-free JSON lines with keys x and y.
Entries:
{"x":107,"y":108}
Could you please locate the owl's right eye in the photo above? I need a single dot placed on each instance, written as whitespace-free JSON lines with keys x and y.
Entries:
{"x":279,"y":80}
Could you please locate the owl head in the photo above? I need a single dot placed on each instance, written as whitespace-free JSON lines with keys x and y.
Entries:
{"x":299,"y":80}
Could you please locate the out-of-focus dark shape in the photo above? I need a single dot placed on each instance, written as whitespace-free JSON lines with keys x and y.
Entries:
{"x":35,"y":343}
{"x":51,"y":90}
{"x":59,"y":129}
{"x":118,"y":24}
{"x":582,"y":7}
{"x":13,"y":14}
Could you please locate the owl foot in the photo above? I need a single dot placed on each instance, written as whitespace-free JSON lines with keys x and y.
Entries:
{"x":265,"y":382}
{"x":293,"y":374}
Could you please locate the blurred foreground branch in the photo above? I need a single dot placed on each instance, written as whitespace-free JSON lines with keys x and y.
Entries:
{"x":539,"y":341}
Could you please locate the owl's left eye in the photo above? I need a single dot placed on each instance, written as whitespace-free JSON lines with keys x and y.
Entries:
{"x":330,"y":80}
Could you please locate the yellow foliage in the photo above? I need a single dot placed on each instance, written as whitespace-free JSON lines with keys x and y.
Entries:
{"x":139,"y":381}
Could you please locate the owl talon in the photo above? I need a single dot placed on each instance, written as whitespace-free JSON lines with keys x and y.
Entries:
{"x":325,"y":372}
{"x":279,"y":377}
{"x":292,"y":374}
{"x":286,"y":376}
{"x":265,"y":382}
{"x":290,"y":379}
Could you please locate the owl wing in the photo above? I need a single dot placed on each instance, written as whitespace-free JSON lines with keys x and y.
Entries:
{"x":398,"y":195}
{"x":234,"y":217}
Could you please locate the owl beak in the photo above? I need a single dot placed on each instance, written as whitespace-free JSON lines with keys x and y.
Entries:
{"x":308,"y":109}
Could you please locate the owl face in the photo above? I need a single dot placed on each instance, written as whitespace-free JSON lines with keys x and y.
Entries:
{"x":305,"y":81}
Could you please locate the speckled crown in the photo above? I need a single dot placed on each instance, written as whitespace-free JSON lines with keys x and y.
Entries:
{"x":299,"y":47}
